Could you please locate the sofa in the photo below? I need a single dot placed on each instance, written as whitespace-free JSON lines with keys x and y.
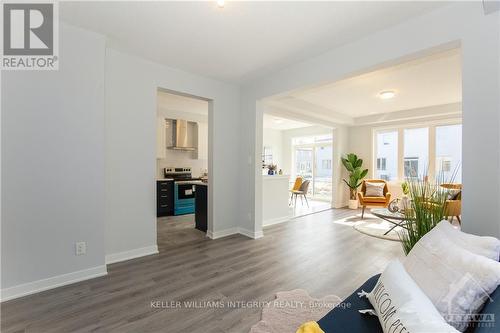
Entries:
{"x":348,"y":319}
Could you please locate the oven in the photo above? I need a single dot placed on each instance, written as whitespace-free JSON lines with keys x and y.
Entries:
{"x":184,"y":190}
{"x":184,"y":198}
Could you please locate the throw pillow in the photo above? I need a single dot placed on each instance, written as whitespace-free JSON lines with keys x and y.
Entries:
{"x":488,"y":247}
{"x":457,"y":281}
{"x":374,"y":189}
{"x":402,"y":307}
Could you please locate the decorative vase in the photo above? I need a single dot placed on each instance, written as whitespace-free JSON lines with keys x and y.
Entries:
{"x":404,"y":203}
{"x":353,"y":204}
{"x":270,"y":172}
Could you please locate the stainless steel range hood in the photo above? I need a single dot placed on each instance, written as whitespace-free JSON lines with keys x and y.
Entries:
{"x":183,"y":135}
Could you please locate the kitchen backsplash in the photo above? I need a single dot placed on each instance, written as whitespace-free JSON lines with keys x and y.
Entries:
{"x":174,"y":160}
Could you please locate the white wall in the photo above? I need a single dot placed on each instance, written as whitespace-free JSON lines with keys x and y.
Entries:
{"x":53,"y":168}
{"x":438,"y":30}
{"x":131,"y":88}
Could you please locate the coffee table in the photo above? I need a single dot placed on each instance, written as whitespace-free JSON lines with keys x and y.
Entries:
{"x":397,"y":219}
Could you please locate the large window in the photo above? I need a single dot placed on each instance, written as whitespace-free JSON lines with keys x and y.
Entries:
{"x":387,"y":155}
{"x":433,"y":151}
{"x":449,"y":153}
{"x":416,"y":152}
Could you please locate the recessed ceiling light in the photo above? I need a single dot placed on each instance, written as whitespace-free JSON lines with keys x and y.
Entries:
{"x":387,"y":94}
{"x":220,"y":3}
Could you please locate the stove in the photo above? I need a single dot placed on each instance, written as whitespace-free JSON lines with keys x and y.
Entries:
{"x":179,"y":174}
{"x":184,"y":189}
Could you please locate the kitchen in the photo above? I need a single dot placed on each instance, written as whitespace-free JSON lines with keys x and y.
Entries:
{"x":182,"y":168}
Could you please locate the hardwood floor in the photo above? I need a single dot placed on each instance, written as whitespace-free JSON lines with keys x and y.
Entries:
{"x":312,"y":252}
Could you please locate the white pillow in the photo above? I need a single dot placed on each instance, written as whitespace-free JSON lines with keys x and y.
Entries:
{"x":458,"y":282}
{"x":488,"y":247}
{"x":402,"y":307}
{"x":374,"y":189}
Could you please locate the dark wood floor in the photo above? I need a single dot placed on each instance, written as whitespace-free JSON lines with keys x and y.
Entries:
{"x":313,"y":253}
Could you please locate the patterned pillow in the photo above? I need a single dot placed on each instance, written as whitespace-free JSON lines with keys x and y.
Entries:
{"x":374,"y":189}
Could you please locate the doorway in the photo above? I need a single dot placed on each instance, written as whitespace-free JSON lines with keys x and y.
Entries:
{"x":181,"y":168}
{"x":313,"y":162}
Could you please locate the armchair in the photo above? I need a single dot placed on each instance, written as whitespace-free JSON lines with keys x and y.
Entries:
{"x":373,"y":201}
{"x":453,"y":206}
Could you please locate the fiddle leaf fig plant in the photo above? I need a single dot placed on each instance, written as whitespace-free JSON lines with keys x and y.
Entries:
{"x":353,"y":164}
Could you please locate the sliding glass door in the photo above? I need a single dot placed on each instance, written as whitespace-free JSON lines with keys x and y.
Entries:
{"x":313,"y":162}
{"x":322,"y":177}
{"x":304,"y":160}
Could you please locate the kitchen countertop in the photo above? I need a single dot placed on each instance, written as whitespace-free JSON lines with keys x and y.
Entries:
{"x":195,"y":182}
{"x":164,"y":179}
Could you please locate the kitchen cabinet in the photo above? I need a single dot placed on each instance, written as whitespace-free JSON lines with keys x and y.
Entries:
{"x":202,"y":141}
{"x":164,"y":198}
{"x":161,"y":138}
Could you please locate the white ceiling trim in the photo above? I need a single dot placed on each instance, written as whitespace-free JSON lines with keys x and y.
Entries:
{"x":446,"y":111}
{"x":283,"y":112}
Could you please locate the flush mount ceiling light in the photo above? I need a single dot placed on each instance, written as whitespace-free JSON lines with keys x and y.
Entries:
{"x":220,"y":3}
{"x":387,"y":94}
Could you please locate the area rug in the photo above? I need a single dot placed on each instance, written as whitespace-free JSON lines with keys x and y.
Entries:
{"x":376,"y":228}
{"x":291,"y":309}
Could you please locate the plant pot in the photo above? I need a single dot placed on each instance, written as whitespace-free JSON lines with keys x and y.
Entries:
{"x":353,"y":204}
{"x":404,"y":203}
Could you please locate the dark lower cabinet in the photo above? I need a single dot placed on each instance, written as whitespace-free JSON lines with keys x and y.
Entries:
{"x":201,"y":208}
{"x":164,"y":198}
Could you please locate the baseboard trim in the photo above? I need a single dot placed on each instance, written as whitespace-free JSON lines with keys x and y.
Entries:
{"x":274,"y":221}
{"x":251,"y":234}
{"x":51,"y":283}
{"x":131,"y":254}
{"x":222,"y":233}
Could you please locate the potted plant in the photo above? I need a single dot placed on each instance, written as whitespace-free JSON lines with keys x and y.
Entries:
{"x":271,"y":169}
{"x":353,"y":164}
{"x":405,"y":201}
{"x":423,"y":212}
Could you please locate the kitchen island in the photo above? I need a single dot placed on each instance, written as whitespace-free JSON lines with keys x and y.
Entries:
{"x":201,"y":206}
{"x":275,"y":194}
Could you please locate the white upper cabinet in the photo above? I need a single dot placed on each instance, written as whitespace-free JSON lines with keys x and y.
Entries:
{"x":161,"y":138}
{"x":202,"y":141}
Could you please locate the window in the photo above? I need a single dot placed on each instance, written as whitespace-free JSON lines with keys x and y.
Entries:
{"x":387,"y":155}
{"x":416,"y":151}
{"x":411,"y":167}
{"x":381,"y":163}
{"x":449,"y":153}
{"x":411,"y":157}
{"x":313,"y":162}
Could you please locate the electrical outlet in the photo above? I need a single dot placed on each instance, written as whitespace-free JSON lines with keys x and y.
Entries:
{"x":80,"y":248}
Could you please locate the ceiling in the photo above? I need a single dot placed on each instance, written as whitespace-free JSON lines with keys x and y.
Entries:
{"x":281,"y":124}
{"x":174,"y":102}
{"x":241,"y":41}
{"x":429,"y":81}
